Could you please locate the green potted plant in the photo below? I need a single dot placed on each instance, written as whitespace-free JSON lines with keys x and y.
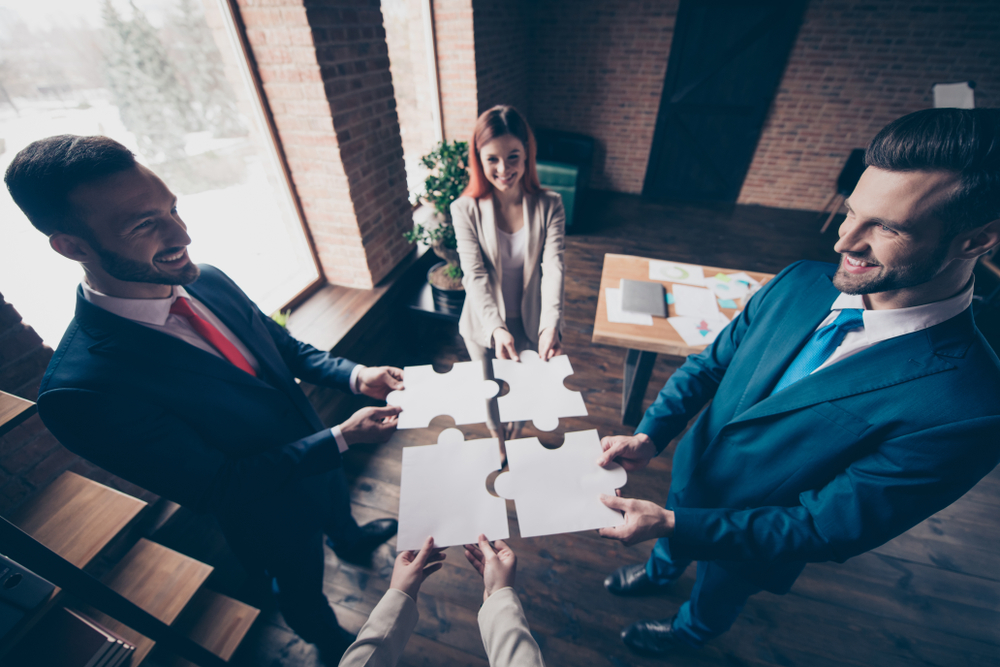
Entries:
{"x":449,"y":165}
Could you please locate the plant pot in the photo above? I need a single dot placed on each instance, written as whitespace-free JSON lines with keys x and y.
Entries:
{"x":446,"y":300}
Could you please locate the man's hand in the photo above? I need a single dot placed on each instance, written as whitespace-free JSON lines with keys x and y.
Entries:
{"x":643,"y":520}
{"x":378,"y":381}
{"x":548,"y":344}
{"x":496,"y":567}
{"x":503,"y":343}
{"x":371,"y":425}
{"x":632,"y":452}
{"x":412,"y":567}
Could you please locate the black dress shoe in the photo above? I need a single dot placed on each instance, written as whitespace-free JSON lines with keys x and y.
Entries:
{"x":655,"y":638}
{"x":373,"y":534}
{"x":632,"y":580}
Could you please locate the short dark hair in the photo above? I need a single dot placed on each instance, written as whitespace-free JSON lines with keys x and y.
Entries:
{"x":44,"y":173}
{"x":963,"y":141}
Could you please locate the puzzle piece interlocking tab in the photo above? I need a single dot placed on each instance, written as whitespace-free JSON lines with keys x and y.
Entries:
{"x":537,"y":392}
{"x":556,"y":490}
{"x":442,"y":493}
{"x":460,"y":393}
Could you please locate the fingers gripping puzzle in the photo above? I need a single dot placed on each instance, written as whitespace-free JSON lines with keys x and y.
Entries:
{"x":537,"y":392}
{"x":460,"y":393}
{"x":556,"y":490}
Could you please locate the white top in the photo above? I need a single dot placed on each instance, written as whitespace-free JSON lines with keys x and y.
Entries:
{"x":155,"y":314}
{"x":512,"y":248}
{"x":882,"y":325}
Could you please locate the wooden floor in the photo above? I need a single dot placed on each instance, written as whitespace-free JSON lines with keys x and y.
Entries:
{"x":930,"y":597}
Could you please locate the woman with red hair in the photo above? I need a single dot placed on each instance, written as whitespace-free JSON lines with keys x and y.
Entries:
{"x":511,"y":235}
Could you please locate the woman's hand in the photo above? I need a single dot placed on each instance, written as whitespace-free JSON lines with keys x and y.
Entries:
{"x":548,"y":344}
{"x":496,"y":566}
{"x":503,"y":342}
{"x":412,"y":567}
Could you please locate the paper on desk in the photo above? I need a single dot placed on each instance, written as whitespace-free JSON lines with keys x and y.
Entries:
{"x":673,"y":272}
{"x":694,"y":301}
{"x":730,"y":285}
{"x":699,"y":330}
{"x":613,"y":297}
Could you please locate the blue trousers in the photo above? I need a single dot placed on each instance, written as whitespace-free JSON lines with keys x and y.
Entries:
{"x":716,"y":599}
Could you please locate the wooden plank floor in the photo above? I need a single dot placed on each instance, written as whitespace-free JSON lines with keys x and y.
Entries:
{"x":930,"y":597}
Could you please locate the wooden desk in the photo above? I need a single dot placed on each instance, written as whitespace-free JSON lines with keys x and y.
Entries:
{"x":13,"y":411}
{"x":644,"y":342}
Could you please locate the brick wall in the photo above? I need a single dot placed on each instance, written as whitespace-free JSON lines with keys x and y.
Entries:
{"x":30,"y":456}
{"x":854,"y":68}
{"x":503,"y":59}
{"x":325,"y":71}
{"x":598,"y":69}
{"x":456,"y":52}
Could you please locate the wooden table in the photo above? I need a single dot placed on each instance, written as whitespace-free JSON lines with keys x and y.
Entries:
{"x":644,"y":342}
{"x":13,"y":411}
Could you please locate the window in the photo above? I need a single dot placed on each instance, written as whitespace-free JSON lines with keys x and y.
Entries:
{"x":165,"y":78}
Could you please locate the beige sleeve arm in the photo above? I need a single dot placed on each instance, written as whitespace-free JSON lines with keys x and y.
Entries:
{"x":383,"y":637}
{"x":553,"y":268}
{"x":475,"y":277}
{"x":506,"y":637}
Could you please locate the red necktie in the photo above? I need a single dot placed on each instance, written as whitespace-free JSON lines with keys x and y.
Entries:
{"x":214,"y":337}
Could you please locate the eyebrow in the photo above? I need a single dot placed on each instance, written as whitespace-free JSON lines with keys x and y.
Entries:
{"x":881,"y":221}
{"x":148,"y":213}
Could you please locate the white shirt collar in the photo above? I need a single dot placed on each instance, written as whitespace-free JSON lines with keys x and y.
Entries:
{"x":885,"y":324}
{"x":144,"y":311}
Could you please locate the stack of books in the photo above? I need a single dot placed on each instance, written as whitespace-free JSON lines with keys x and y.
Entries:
{"x":66,"y":638}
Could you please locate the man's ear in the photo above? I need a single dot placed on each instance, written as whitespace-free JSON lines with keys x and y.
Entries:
{"x":980,"y":241}
{"x":72,"y":247}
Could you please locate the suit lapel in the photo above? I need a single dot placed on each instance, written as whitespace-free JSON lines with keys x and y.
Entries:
{"x":246,"y":327}
{"x":490,"y":241}
{"x":533,"y":222}
{"x":885,"y":364}
{"x":140,"y":346}
{"x":787,"y":336}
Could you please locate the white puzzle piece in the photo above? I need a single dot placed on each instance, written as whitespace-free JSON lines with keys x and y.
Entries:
{"x":537,"y":392}
{"x":442,"y":493}
{"x":460,"y":393}
{"x":556,"y":490}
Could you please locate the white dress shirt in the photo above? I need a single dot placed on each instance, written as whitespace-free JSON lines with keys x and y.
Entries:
{"x":882,"y":325}
{"x":155,"y":314}
{"x":512,"y":249}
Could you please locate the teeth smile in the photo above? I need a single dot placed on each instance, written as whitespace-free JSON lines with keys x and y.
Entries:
{"x":856,"y":262}
{"x":171,"y":258}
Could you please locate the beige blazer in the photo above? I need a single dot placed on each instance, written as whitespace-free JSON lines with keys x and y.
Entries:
{"x":479,"y":252}
{"x":502,"y":624}
{"x":383,"y":637}
{"x":506,"y":637}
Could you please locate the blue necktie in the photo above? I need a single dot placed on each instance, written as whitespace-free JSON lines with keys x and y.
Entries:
{"x":819,"y":348}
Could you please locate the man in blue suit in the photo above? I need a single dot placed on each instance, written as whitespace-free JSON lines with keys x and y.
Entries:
{"x":169,"y":376}
{"x":848,"y":403}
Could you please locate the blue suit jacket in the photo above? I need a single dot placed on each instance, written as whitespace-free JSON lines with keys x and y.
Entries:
{"x":840,"y":462}
{"x":184,"y":423}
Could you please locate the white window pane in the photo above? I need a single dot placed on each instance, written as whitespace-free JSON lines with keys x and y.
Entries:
{"x":154,"y":79}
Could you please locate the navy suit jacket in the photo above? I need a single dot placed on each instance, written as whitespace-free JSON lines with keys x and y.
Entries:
{"x":184,"y":423}
{"x":836,"y":464}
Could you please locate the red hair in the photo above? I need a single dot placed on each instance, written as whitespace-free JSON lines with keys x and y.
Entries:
{"x":497,"y":122}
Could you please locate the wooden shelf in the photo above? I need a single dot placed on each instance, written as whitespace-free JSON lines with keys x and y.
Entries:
{"x":77,"y":517}
{"x":215,"y":621}
{"x":159,"y":580}
{"x":13,"y":411}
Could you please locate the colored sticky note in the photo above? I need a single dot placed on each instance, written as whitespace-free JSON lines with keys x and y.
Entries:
{"x":722,"y":277}
{"x":727,"y":303}
{"x":670,"y":298}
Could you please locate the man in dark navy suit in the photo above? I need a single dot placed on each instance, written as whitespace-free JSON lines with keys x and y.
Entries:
{"x":848,"y":403}
{"x":169,"y":376}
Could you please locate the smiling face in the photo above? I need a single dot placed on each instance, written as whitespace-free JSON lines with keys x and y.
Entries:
{"x":138,"y":241}
{"x":503,"y":162}
{"x":892,"y":244}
